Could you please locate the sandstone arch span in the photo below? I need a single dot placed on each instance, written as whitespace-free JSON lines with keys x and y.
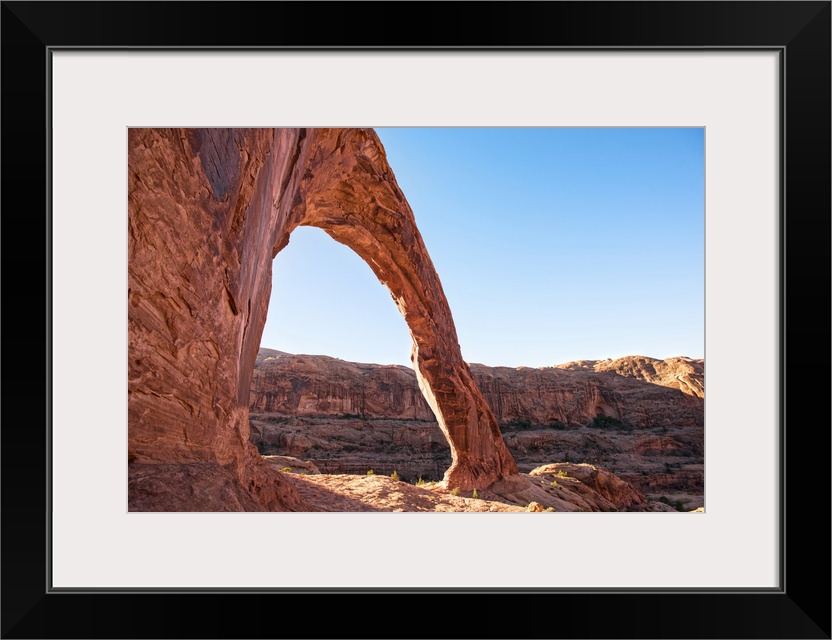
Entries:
{"x":208,"y":211}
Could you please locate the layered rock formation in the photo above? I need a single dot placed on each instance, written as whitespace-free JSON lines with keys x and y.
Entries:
{"x":208,"y":209}
{"x":685,"y":374}
{"x":297,"y":385}
{"x":350,"y":417}
{"x":573,"y":394}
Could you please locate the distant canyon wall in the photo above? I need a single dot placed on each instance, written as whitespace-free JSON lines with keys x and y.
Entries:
{"x":639,"y":391}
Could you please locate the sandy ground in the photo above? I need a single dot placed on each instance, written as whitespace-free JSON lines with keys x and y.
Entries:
{"x":382,"y":493}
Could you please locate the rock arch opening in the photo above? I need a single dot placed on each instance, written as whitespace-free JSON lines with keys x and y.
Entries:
{"x":325,"y":301}
{"x":333,"y":389}
{"x":208,"y":211}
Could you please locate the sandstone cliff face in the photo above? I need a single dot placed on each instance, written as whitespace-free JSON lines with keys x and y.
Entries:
{"x":685,"y":374}
{"x":321,"y":386}
{"x":293,"y":385}
{"x":552,"y":394}
{"x":350,"y":418}
{"x":208,"y":209}
{"x":201,"y":230}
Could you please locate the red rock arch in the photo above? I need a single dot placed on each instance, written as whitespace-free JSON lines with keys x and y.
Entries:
{"x":208,"y":211}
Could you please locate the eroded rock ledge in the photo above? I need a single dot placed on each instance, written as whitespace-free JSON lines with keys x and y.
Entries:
{"x":208,"y":209}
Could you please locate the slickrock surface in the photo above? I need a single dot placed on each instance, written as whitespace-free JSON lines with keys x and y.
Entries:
{"x":349,"y":493}
{"x":558,"y":488}
{"x":208,"y":209}
{"x":348,"y":418}
{"x":195,"y":486}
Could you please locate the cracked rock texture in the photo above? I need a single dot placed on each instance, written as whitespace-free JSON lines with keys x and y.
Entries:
{"x":208,"y":209}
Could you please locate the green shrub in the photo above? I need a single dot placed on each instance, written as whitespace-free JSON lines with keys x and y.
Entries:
{"x":555,"y":484}
{"x":455,"y":491}
{"x":286,"y":469}
{"x":607,"y":422}
{"x":395,"y":475}
{"x":475,"y":495}
{"x":561,"y":473}
{"x":371,"y":473}
{"x":420,"y":482}
{"x":522,"y":423}
{"x":680,"y":506}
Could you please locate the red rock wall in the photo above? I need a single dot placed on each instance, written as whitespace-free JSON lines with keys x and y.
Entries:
{"x":297,"y":385}
{"x":202,"y":227}
{"x":320,"y":386}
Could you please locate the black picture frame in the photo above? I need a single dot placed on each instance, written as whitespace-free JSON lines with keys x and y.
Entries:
{"x":799,"y":31}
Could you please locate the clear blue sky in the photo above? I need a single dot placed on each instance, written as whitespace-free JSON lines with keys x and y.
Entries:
{"x":551,"y":244}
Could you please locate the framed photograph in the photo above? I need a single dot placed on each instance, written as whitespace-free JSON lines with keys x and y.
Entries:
{"x":752,"y":77}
